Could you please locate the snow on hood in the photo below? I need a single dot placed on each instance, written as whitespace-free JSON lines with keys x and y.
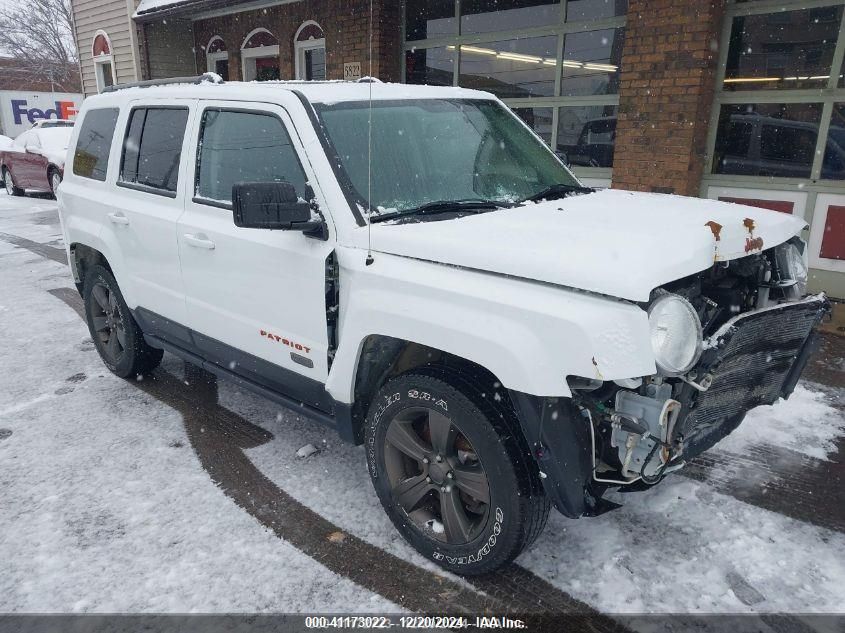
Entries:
{"x":619,"y":243}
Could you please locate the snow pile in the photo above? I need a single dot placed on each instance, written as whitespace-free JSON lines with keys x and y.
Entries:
{"x":5,"y":143}
{"x":806,"y":423}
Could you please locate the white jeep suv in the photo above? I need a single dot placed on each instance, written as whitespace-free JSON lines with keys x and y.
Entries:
{"x":500,"y":338}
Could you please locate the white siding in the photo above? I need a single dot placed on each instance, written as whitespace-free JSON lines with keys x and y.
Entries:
{"x":113,"y":17}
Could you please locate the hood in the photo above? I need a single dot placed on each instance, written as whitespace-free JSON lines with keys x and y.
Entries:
{"x":618,"y":243}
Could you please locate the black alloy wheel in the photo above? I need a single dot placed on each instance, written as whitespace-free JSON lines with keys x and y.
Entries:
{"x":452,"y":469}
{"x":436,"y":476}
{"x":115,"y":333}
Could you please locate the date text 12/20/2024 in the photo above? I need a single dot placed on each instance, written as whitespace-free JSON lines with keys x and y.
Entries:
{"x":413,"y":622}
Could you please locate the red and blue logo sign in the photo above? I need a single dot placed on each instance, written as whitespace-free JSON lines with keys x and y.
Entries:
{"x":20,"y":111}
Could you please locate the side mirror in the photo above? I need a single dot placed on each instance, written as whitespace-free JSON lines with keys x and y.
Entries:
{"x":564,"y":157}
{"x":274,"y":206}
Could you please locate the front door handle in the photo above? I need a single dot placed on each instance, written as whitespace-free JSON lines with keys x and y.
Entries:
{"x":118,"y":218}
{"x":199,"y":241}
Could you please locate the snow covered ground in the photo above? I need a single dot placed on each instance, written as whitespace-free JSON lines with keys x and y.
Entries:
{"x":106,"y":507}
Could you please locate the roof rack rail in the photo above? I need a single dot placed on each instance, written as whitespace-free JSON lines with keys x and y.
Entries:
{"x":149,"y":83}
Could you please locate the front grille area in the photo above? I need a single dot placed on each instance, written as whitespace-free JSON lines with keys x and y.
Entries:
{"x":752,"y":360}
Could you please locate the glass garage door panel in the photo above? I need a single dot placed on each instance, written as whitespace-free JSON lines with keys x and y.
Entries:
{"x":487,"y":16}
{"x":516,"y":68}
{"x":783,"y":49}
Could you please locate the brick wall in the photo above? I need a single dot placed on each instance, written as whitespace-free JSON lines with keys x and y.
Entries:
{"x":345,"y":24}
{"x":666,"y":94}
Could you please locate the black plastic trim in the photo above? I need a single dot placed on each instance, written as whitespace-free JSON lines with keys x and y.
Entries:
{"x":302,"y":394}
{"x":559,"y":441}
{"x":333,"y":158}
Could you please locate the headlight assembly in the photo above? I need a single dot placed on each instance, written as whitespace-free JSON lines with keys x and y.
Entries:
{"x":675,"y":334}
{"x":793,"y":266}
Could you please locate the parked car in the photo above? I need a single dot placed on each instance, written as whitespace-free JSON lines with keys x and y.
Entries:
{"x":757,"y":145}
{"x":52,"y":123}
{"x":595,"y":145}
{"x":498,"y":337}
{"x":35,"y":160}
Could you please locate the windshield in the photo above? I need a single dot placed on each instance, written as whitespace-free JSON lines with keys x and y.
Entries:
{"x":438,"y":151}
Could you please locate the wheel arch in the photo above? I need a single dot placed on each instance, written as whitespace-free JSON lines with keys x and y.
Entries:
{"x":382,"y":357}
{"x":82,"y":258}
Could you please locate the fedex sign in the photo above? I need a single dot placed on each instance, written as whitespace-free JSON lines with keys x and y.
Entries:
{"x":19,"y":110}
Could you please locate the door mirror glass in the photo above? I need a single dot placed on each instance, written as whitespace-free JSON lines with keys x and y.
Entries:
{"x":564,"y":157}
{"x":271,"y":205}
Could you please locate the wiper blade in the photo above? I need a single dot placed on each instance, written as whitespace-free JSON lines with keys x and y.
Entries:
{"x":442,"y":206}
{"x":558,"y":190}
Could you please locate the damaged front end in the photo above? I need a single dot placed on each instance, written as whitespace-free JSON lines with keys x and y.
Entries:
{"x":745,"y":335}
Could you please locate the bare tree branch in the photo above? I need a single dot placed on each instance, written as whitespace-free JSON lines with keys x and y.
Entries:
{"x":38,"y":32}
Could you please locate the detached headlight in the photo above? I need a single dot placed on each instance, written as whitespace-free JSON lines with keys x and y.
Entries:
{"x":793,"y":266}
{"x":675,"y":334}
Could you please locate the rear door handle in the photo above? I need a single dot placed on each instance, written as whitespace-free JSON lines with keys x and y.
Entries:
{"x":199,"y":241}
{"x":118,"y":218}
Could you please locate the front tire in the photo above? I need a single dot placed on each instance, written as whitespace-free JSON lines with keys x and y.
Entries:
{"x":10,"y":185}
{"x":115,"y":333}
{"x":452,"y":472}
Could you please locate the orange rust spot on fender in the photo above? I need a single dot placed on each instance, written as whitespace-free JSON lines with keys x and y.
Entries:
{"x":753,"y":244}
{"x":748,"y":223}
{"x":716,"y":228}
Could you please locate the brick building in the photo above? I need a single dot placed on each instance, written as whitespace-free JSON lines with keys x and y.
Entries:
{"x":732,"y":99}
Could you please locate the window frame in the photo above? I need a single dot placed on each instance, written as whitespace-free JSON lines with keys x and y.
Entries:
{"x":148,"y":188}
{"x":249,"y":55}
{"x":213,"y":58}
{"x":103,"y":60}
{"x":300,"y":48}
{"x":116,"y":110}
{"x":556,"y":101}
{"x":208,"y":202}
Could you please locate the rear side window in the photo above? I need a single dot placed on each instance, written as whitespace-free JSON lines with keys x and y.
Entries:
{"x":91,"y":156}
{"x":238,"y":146}
{"x":153,"y":147}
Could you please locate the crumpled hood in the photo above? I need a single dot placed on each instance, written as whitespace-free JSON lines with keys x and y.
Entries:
{"x":618,"y":243}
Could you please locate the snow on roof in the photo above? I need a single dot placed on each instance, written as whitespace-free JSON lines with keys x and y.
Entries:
{"x":147,"y":6}
{"x":326,"y":92}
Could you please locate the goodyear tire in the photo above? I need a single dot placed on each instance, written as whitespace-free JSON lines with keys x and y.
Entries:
{"x":115,"y":333}
{"x":449,"y":465}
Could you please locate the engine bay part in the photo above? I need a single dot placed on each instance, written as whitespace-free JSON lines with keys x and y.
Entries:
{"x":751,"y":338}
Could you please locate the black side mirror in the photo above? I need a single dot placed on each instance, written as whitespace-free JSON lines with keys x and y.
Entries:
{"x":274,"y":206}
{"x":564,"y":157}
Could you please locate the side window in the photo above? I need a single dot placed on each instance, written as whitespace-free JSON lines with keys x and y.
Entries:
{"x":93,"y":146}
{"x":244,"y":147}
{"x":153,"y":147}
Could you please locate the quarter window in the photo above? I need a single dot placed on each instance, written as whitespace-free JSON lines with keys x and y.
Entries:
{"x":91,"y":156}
{"x":244,"y":147}
{"x":153,"y":147}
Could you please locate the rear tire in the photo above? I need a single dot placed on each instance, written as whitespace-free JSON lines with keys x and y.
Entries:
{"x":115,"y":333}
{"x":10,"y":185}
{"x":55,"y":179}
{"x":453,"y":472}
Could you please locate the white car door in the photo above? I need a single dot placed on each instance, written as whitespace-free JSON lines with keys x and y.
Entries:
{"x":255,"y":297}
{"x":151,"y":185}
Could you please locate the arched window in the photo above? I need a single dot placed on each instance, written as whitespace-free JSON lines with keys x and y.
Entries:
{"x":217,"y":57}
{"x":260,"y":56}
{"x":101,"y":51}
{"x":309,"y":46}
